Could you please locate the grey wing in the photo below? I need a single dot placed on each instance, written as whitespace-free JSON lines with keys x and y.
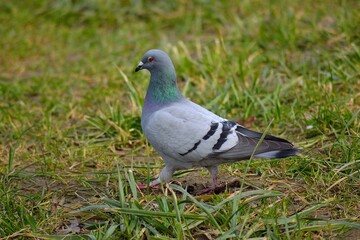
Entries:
{"x":270,"y":147}
{"x":189,"y":134}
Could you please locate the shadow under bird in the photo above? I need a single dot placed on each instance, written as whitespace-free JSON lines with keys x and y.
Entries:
{"x":187,"y":135}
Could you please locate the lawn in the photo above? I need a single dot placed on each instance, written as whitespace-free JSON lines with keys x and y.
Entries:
{"x":71,"y":144}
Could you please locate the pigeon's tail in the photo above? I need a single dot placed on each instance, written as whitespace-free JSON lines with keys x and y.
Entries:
{"x":270,"y":147}
{"x":278,"y":153}
{"x":248,"y":145}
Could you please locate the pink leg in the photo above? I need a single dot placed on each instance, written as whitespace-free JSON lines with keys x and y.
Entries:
{"x":215,"y":188}
{"x":153,"y":185}
{"x":142,"y":186}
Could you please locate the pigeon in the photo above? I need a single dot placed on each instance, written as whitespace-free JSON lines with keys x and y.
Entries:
{"x":187,"y":135}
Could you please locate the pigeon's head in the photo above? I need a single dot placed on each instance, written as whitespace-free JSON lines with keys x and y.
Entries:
{"x":154,"y":60}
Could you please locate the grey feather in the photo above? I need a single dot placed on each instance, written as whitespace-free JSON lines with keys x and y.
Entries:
{"x":187,"y":135}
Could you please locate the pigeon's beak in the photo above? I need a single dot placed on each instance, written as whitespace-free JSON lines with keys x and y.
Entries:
{"x":139,"y":66}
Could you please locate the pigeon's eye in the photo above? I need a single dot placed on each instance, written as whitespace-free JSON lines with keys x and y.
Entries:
{"x":150,"y":59}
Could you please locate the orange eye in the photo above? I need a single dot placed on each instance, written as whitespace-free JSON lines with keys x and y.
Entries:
{"x":150,"y":59}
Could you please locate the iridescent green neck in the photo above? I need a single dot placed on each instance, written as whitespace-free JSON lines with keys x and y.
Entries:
{"x":162,"y":87}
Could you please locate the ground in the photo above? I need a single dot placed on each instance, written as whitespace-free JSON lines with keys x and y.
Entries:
{"x":71,"y":144}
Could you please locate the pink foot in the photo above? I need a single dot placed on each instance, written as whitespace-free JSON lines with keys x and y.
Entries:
{"x":142,"y":186}
{"x":212,"y":190}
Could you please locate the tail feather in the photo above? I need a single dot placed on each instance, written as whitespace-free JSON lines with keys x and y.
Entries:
{"x":270,"y":147}
{"x":278,"y":154}
{"x":250,"y":133}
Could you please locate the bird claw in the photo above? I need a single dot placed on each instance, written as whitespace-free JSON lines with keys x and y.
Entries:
{"x":142,"y":186}
{"x":212,"y":190}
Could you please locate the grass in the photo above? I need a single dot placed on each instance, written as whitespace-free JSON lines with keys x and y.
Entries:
{"x":71,"y":147}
